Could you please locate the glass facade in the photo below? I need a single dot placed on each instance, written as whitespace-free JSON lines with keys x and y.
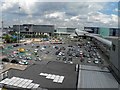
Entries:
{"x":104,"y":32}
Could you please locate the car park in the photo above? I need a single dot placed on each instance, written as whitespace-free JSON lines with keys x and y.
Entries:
{"x":65,"y":52}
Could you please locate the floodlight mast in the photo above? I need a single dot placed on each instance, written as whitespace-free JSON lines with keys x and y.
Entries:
{"x":1,"y":63}
{"x":19,"y":25}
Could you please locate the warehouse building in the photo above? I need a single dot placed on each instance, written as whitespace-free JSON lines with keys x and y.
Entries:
{"x":34,"y":29}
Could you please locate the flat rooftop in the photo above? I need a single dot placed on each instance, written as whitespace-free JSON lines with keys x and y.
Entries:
{"x":95,"y":77}
{"x":50,"y":67}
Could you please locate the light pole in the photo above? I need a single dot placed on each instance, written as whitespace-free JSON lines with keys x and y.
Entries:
{"x":19,"y":25}
{"x":1,"y":63}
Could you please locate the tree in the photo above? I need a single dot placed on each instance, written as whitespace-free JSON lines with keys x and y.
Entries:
{"x":7,"y":38}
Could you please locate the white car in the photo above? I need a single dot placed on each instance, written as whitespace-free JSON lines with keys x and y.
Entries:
{"x":96,"y":61}
{"x":39,"y":59}
{"x":42,"y":48}
{"x":60,"y":54}
{"x":20,"y":57}
{"x":99,"y":57}
{"x":36,"y":49}
{"x":23,"y":62}
{"x":89,"y":61}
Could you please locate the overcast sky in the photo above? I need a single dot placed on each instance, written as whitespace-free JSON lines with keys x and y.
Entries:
{"x":61,"y":14}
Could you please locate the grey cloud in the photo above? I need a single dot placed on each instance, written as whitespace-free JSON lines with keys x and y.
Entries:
{"x":38,"y":11}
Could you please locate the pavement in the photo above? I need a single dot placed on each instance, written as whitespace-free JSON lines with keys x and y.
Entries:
{"x":8,"y":66}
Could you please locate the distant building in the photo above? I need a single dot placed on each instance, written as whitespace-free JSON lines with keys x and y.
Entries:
{"x":5,"y":30}
{"x":65,"y":30}
{"x":34,"y":29}
{"x":92,"y":29}
{"x":102,"y":31}
{"x":114,"y":31}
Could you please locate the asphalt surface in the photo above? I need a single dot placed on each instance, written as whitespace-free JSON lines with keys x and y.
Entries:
{"x":43,"y":55}
{"x":50,"y":67}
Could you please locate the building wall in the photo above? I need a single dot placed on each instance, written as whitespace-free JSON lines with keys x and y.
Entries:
{"x":65,"y":30}
{"x":114,"y":53}
{"x":114,"y":31}
{"x":114,"y":57}
{"x":34,"y":28}
{"x":92,"y":29}
{"x":104,"y":32}
{"x":61,"y":30}
{"x":71,"y":30}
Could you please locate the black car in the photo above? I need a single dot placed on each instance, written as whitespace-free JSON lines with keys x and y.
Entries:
{"x":64,"y":58}
{"x":70,"y":59}
{"x":37,"y":46}
{"x":14,"y":61}
{"x":5,"y":60}
{"x":15,"y":45}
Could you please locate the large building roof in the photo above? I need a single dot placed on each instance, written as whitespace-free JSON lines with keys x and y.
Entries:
{"x":95,"y":77}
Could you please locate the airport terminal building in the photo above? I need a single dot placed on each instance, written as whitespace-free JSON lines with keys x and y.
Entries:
{"x":103,"y":31}
{"x":34,"y":29}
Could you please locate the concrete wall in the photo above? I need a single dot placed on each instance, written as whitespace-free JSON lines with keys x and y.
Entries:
{"x":114,"y":53}
{"x":115,"y":58}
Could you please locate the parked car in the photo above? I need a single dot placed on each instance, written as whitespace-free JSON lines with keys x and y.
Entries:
{"x":5,"y":60}
{"x":24,"y":62}
{"x":14,"y":61}
{"x":70,"y":59}
{"x":64,"y":58}
{"x":96,"y":61}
